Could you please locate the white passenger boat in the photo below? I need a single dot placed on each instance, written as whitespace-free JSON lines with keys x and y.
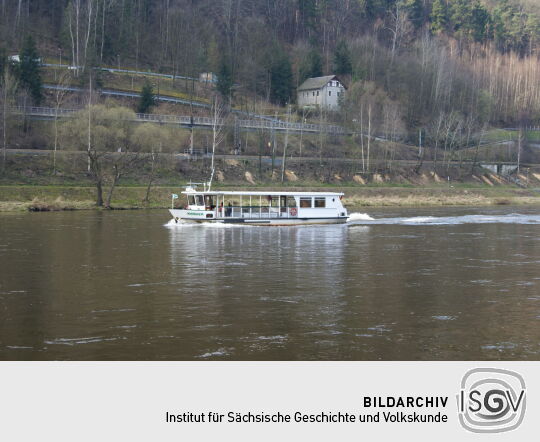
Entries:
{"x":259,"y":208}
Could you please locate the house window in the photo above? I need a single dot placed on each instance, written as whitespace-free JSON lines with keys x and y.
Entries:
{"x":329,"y":93}
{"x":305,"y":203}
{"x":313,"y":93}
{"x":320,"y":202}
{"x":317,"y":93}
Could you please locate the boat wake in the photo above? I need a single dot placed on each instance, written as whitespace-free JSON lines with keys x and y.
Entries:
{"x":360,"y":217}
{"x":513,"y":218}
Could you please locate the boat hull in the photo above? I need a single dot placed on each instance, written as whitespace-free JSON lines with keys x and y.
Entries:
{"x":185,"y":216}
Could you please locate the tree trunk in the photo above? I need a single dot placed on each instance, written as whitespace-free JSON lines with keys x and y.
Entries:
{"x":4,"y":130}
{"x":95,"y":168}
{"x":147,"y":196}
{"x":286,"y":144}
{"x":55,"y":140}
{"x":362,"y":136}
{"x":369,"y":136}
{"x":475,"y":160}
{"x":99,"y":193}
{"x":520,"y":138}
{"x":113,"y":185}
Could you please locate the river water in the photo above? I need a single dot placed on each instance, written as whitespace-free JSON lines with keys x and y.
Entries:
{"x":405,"y":284}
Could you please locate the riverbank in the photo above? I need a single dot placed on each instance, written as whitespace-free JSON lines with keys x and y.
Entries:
{"x":56,"y":198}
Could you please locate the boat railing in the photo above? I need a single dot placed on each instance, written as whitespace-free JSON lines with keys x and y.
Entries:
{"x":256,"y":212}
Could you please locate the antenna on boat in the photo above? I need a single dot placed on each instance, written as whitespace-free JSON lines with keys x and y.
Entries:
{"x":211,"y":178}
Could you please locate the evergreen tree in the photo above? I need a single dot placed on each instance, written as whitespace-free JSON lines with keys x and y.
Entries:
{"x":308,"y":14}
{"x":371,"y":9}
{"x":147,"y":99}
{"x":532,"y":27}
{"x":312,"y":66}
{"x":480,"y":22}
{"x":29,"y":70}
{"x":342,"y":59}
{"x":415,"y":9}
{"x":517,"y":34}
{"x":316,"y":64}
{"x":281,"y":79}
{"x":439,"y":16}
{"x":461,"y":16}
{"x":224,"y":80}
{"x":3,"y":62}
{"x":500,"y":34}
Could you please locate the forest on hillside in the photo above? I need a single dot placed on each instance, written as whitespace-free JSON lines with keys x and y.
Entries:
{"x":432,"y":65}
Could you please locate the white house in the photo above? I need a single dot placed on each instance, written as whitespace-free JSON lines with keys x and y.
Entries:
{"x":17,"y":59}
{"x":325,"y":91}
{"x":208,"y":77}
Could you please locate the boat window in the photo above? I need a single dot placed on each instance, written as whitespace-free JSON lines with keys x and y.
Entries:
{"x":209,"y":201}
{"x":320,"y":202}
{"x":200,"y":200}
{"x":191,"y":200}
{"x":291,"y":201}
{"x":274,"y":201}
{"x":305,"y":203}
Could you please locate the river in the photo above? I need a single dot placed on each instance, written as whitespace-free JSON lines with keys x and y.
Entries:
{"x":393,"y":284}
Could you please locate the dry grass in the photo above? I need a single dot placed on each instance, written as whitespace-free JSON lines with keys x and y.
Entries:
{"x":436,"y":200}
{"x":56,"y":198}
{"x":41,"y":205}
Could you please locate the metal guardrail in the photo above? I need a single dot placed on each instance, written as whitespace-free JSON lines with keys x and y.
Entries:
{"x":196,"y":153}
{"x":191,"y":121}
{"x":125,"y":71}
{"x":120,"y":93}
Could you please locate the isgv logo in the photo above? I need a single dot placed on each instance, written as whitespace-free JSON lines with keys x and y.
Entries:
{"x":491,"y":400}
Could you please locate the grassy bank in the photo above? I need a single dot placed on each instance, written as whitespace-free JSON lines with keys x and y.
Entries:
{"x":52,"y":198}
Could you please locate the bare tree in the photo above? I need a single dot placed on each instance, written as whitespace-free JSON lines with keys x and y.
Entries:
{"x":368,"y":135}
{"x":323,"y":135}
{"x":286,"y":143}
{"x":362,"y":136}
{"x":106,"y":134}
{"x":520,"y":138}
{"x":80,"y":28}
{"x":150,"y":139}
{"x":127,"y":154}
{"x":89,"y":8}
{"x":8,"y":89}
{"x":475,"y":159}
{"x":59,"y":94}
{"x":400,"y":26}
{"x":218,"y":133}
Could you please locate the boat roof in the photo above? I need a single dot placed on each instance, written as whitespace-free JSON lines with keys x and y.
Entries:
{"x":263,"y":193}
